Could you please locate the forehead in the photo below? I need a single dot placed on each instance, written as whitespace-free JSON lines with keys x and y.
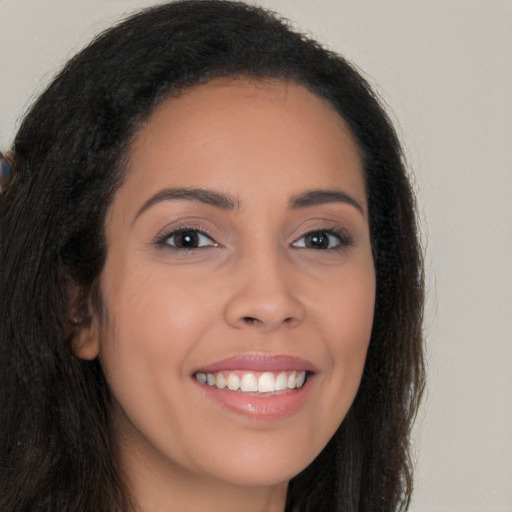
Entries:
{"x":254,"y":130}
{"x":228,"y":101}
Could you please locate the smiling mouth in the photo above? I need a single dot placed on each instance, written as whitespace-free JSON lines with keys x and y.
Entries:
{"x":250,"y":382}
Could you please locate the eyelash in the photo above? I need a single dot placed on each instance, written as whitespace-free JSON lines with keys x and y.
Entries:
{"x":343,"y":239}
{"x":163,"y":241}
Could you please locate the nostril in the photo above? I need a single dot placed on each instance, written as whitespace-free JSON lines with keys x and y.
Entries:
{"x":251,"y":320}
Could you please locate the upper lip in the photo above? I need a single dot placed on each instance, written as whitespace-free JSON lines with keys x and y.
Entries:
{"x":260,"y":363}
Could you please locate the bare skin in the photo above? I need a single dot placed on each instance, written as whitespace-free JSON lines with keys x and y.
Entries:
{"x":238,"y":245}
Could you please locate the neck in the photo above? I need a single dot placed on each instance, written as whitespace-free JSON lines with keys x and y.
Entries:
{"x":192,"y":496}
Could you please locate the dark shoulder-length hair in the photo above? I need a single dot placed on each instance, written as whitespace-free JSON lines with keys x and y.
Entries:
{"x":56,"y":451}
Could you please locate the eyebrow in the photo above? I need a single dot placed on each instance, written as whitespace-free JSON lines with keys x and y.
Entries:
{"x":227,"y":202}
{"x":200,"y":195}
{"x":319,"y":197}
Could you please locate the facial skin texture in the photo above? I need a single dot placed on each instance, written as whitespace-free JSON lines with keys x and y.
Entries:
{"x":252,"y":288}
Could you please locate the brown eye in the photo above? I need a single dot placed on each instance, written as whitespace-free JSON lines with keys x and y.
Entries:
{"x":188,"y":239}
{"x":317,"y":241}
{"x":322,"y":240}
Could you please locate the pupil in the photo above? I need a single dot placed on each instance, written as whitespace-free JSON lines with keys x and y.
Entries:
{"x":318,"y":241}
{"x":187,"y":239}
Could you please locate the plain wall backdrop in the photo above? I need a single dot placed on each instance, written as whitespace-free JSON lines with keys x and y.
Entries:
{"x":444,"y":68}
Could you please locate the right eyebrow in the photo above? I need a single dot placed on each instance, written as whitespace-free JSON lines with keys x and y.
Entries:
{"x":318,"y":197}
{"x":201,"y":195}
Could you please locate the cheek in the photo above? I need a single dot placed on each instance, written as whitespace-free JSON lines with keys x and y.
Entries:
{"x":346,"y":308}
{"x":347,"y":313}
{"x":354,"y":317}
{"x":149,"y":311}
{"x":155,"y":320}
{"x":150,"y":329}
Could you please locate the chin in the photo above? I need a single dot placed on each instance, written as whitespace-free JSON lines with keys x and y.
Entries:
{"x":263,"y":466}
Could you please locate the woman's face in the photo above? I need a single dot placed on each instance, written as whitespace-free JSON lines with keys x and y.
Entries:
{"x":238,"y":255}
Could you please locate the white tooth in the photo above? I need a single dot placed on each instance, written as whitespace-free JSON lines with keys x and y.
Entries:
{"x":233,"y":382}
{"x":266,"y":383}
{"x":201,"y":377}
{"x":249,"y":383}
{"x":281,"y":381}
{"x":221,"y":381}
{"x":292,"y":380}
{"x":210,"y":379}
{"x":301,"y":378}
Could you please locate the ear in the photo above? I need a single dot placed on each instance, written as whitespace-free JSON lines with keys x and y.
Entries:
{"x":84,"y":325}
{"x":86,"y":337}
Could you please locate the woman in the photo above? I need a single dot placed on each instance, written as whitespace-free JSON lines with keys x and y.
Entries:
{"x":212,"y":278}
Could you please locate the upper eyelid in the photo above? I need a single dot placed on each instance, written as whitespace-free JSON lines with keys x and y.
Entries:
{"x":333,"y":230}
{"x":183,"y":226}
{"x":166,"y":234}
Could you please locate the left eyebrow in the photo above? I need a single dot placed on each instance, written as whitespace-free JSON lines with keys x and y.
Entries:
{"x":319,"y":197}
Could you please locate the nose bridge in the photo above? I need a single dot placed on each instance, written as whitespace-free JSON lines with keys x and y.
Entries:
{"x":264,"y":293}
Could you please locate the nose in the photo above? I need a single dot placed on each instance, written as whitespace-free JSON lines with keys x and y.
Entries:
{"x":264,"y":295}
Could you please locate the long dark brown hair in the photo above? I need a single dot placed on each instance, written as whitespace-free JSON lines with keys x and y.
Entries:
{"x":56,"y":451}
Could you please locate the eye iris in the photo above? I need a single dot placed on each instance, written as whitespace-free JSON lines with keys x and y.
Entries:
{"x":317,"y":241}
{"x":186,"y":239}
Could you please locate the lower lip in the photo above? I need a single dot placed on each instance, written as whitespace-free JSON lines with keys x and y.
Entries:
{"x":263,"y":408}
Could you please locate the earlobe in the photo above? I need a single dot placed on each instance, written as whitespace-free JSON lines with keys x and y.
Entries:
{"x":85,"y":341}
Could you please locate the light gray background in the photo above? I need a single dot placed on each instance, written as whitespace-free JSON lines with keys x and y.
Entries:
{"x":444,"y":68}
